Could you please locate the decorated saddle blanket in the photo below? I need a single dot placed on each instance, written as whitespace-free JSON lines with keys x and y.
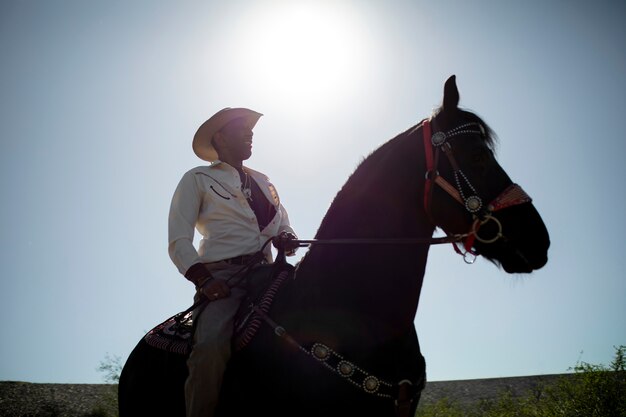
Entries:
{"x":176,"y":333}
{"x":173,"y":335}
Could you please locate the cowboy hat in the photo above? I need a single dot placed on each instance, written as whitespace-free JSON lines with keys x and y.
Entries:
{"x":203,"y":139}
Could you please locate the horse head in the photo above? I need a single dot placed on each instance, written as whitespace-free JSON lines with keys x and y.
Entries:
{"x":503,"y":223}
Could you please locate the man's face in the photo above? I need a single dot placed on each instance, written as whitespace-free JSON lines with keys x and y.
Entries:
{"x":237,"y":139}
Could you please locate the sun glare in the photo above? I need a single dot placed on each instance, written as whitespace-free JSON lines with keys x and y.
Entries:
{"x":305,"y":52}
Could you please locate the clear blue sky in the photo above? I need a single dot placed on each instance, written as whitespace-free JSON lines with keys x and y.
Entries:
{"x":100,"y":100}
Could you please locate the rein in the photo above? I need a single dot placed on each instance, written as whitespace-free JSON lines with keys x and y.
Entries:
{"x":392,"y":241}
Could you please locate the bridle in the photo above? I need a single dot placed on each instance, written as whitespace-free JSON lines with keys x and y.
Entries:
{"x":434,"y":144}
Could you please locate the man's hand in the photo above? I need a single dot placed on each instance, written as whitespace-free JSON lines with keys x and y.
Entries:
{"x":287,"y":241}
{"x":215,"y":289}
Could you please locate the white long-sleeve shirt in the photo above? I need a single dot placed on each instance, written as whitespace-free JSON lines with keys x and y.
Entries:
{"x":209,"y":199}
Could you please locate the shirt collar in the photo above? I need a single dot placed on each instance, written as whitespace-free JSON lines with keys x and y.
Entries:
{"x":215,"y":163}
{"x":218,"y":163}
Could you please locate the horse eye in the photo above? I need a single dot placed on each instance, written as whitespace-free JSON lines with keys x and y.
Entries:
{"x":481,"y":156}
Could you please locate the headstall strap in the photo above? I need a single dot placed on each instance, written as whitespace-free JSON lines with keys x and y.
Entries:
{"x":430,"y":166}
{"x":511,"y":196}
{"x":439,"y":140}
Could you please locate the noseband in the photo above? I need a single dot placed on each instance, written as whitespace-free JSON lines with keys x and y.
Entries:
{"x":438,"y":142}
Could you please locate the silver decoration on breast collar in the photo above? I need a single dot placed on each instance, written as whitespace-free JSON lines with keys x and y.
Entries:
{"x":371,"y":384}
{"x":320,"y":352}
{"x":336,"y":363}
{"x":348,"y":370}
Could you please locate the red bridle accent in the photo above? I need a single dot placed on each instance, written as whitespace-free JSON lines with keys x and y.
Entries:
{"x":513,"y":195}
{"x":432,"y":175}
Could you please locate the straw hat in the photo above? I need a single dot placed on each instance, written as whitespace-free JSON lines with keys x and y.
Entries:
{"x":202,"y":141}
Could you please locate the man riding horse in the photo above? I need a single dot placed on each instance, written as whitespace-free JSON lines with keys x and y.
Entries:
{"x":236,"y":210}
{"x":339,"y":337}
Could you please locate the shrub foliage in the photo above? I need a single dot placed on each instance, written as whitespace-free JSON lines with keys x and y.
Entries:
{"x":592,"y":390}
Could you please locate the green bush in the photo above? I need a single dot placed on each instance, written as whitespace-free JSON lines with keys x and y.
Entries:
{"x":591,"y":391}
{"x":111,"y":367}
{"x":442,"y":408}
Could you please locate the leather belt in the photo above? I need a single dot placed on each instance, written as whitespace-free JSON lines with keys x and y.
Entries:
{"x":238,"y":260}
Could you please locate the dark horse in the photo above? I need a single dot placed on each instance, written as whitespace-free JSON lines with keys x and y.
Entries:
{"x":350,"y":347}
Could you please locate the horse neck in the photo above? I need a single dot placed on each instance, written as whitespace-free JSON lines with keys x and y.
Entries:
{"x":380,"y":200}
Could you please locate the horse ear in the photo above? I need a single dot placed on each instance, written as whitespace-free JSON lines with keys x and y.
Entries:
{"x":450,"y":94}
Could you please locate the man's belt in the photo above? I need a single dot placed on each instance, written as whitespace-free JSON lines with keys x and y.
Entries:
{"x":238,"y":260}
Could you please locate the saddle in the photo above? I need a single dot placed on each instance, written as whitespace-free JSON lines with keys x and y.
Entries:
{"x":175,"y":334}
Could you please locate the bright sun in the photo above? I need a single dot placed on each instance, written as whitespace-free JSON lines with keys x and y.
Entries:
{"x":307,"y":52}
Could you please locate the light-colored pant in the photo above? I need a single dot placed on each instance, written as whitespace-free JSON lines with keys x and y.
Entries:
{"x":212,"y":345}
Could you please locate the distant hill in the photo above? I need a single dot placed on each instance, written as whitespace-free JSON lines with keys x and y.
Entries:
{"x":25,"y":399}
{"x":22,"y":399}
{"x":469,"y":392}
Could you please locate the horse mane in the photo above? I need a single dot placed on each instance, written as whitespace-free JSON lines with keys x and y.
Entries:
{"x":464,"y":116}
{"x":370,"y":165}
{"x":363,"y":175}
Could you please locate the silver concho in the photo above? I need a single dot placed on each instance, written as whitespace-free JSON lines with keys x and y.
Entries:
{"x":371,"y":384}
{"x":320,"y":352}
{"x":473,"y":204}
{"x":345,"y":368}
{"x":438,"y":138}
